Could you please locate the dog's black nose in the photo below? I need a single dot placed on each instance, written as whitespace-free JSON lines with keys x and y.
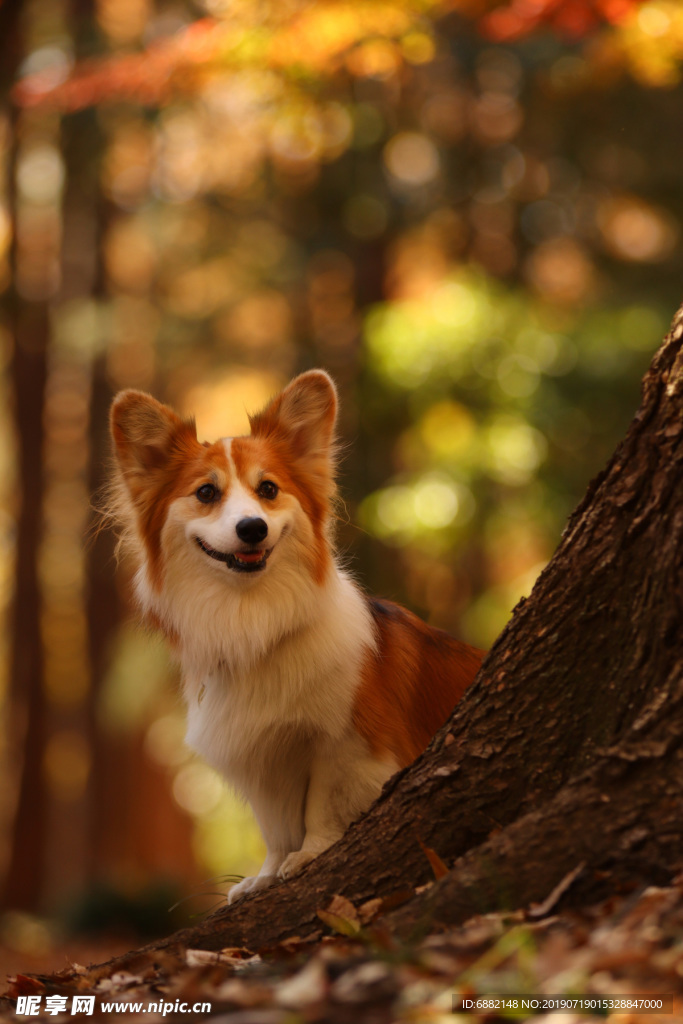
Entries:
{"x":252,"y":531}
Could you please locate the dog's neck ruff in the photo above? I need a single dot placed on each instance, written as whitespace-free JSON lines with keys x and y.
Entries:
{"x":231,"y":625}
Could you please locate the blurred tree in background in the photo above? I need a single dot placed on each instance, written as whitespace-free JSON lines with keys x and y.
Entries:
{"x":468,"y":211}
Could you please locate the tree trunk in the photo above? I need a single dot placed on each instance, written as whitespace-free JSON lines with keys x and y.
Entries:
{"x":26,"y":709}
{"x":22,"y":884}
{"x":564,"y":761}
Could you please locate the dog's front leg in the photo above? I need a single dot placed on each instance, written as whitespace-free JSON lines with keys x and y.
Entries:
{"x":322,"y":824}
{"x":266,"y":877}
{"x":280,"y":815}
{"x":344,"y":781}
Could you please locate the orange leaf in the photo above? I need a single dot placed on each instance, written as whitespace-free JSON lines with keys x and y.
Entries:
{"x":437,"y":865}
{"x":23,"y":985}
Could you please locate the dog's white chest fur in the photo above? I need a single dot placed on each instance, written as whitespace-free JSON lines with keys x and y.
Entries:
{"x":281,"y":729}
{"x":296,"y":692}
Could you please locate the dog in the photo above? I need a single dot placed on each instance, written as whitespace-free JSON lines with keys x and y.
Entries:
{"x":301,"y":691}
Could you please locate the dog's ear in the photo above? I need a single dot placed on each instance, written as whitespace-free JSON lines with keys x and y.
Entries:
{"x":145,"y":433}
{"x":304,"y":415}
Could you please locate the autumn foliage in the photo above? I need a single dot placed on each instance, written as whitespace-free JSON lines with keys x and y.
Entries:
{"x":323,"y":39}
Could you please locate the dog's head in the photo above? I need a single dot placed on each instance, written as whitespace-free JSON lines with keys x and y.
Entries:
{"x":236,"y":507}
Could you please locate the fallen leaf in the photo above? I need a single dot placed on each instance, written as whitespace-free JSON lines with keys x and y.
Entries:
{"x":437,"y":865}
{"x":201,"y":957}
{"x":365,"y":983}
{"x":339,"y":924}
{"x":341,"y":916}
{"x":23,"y":985}
{"x":397,"y":899}
{"x":369,"y":910}
{"x":242,"y":993}
{"x":423,"y":888}
{"x":303,"y":989}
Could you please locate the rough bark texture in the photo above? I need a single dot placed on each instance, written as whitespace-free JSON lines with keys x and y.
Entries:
{"x":566,"y":755}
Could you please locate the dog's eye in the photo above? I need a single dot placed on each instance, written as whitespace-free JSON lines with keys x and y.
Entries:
{"x":207,"y":493}
{"x":267,"y":489}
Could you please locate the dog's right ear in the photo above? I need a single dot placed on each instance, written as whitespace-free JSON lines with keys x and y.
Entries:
{"x":145,"y":433}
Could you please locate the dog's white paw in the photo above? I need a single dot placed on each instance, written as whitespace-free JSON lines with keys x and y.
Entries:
{"x":251,"y":884}
{"x":294,"y":862}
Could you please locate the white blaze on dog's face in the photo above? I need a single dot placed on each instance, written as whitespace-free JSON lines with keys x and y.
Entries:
{"x":240,"y":522}
{"x":240,"y":505}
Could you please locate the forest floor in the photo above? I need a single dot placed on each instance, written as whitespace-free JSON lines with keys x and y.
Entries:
{"x":354,"y":970}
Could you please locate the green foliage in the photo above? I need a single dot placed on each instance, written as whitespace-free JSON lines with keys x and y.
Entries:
{"x":504,"y":402}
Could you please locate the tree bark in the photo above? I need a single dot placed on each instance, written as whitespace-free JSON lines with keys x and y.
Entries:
{"x":564,"y":760}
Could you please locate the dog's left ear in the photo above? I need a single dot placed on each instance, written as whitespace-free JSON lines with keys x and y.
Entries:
{"x":304,"y":415}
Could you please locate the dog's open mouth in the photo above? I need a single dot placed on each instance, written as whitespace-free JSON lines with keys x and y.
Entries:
{"x":240,"y":561}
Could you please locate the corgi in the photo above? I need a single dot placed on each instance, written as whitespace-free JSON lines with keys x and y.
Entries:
{"x":305,"y":694}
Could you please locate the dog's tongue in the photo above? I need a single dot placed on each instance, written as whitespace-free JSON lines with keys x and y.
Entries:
{"x":248,"y":556}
